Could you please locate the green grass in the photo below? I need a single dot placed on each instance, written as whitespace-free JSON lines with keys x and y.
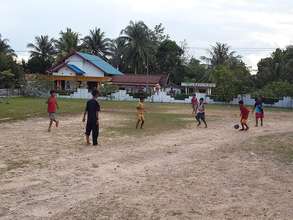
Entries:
{"x":25,"y":107}
{"x":155,"y":122}
{"x":159,"y":117}
{"x":279,"y":146}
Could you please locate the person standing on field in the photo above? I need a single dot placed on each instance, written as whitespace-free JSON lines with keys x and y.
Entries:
{"x":140,"y":113}
{"x":244,"y":113}
{"x":259,"y":112}
{"x":200,"y":113}
{"x":194,"y":103}
{"x":92,"y":110}
{"x":52,"y":108}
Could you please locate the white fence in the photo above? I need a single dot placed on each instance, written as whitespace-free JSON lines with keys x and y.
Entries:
{"x":9,"y":92}
{"x":162,"y":97}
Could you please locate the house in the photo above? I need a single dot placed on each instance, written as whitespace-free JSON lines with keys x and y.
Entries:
{"x":191,"y":88}
{"x":138,"y":82}
{"x":81,"y":70}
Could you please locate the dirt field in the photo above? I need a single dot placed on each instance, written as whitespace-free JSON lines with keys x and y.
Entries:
{"x":190,"y":173}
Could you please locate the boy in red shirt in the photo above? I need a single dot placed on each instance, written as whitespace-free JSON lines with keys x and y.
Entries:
{"x":52,"y":108}
{"x":244,"y":112}
{"x":194,"y":103}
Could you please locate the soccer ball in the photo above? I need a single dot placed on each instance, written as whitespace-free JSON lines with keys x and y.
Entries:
{"x":236,"y":126}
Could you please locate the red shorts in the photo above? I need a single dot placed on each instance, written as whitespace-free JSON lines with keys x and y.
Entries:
{"x":259,"y":115}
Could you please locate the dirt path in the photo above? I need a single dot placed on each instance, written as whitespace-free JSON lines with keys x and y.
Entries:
{"x":187,"y":174}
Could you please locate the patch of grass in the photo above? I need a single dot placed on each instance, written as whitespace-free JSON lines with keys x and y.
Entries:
{"x":279,"y":146}
{"x":155,"y":122}
{"x":27,"y":107}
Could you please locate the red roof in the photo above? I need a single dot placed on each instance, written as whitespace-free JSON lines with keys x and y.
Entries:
{"x":140,"y":79}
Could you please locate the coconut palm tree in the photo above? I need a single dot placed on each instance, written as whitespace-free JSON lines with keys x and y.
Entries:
{"x":96,"y":43}
{"x":67,"y":42}
{"x":5,"y":47}
{"x":42,"y":47}
{"x":220,"y":54}
{"x":138,"y":45}
{"x":117,"y":48}
{"x":42,"y":53}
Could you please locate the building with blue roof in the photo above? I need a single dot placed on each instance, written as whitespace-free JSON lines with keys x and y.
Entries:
{"x":81,"y":70}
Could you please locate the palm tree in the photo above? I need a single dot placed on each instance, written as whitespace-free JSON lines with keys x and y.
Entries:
{"x":220,"y":54}
{"x":138,"y":45}
{"x":117,"y":48}
{"x":68,"y":41}
{"x":96,"y":43}
{"x":43,"y":47}
{"x":5,"y":47}
{"x":42,"y":52}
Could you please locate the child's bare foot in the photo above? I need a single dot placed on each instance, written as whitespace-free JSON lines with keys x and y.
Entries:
{"x":242,"y":129}
{"x":88,"y":143}
{"x":247,"y":129}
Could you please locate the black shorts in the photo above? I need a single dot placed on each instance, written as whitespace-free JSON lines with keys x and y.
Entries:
{"x":91,"y":127}
{"x":200,"y":115}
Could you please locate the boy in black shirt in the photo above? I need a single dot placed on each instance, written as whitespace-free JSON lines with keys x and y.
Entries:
{"x":92,"y":111}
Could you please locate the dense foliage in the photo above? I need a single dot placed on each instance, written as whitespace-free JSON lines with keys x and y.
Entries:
{"x":11,"y":73}
{"x":140,"y":49}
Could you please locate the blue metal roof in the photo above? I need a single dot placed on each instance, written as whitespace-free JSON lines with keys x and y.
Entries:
{"x":75,"y":69}
{"x":100,"y":63}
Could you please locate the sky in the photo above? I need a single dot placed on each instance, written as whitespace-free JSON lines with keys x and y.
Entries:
{"x":253,"y":28}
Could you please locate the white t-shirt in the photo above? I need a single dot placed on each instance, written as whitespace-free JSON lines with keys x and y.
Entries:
{"x":200,"y":107}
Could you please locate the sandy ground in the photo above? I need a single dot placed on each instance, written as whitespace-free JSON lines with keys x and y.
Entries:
{"x":184,"y":174}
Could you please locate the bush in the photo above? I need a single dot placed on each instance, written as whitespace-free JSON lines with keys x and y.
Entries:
{"x":275,"y":90}
{"x":181,"y":96}
{"x":107,"y":89}
{"x":139,"y":95}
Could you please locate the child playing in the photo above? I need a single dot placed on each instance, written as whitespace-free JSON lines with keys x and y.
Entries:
{"x":194,"y":103}
{"x":140,"y":113}
{"x":52,"y":108}
{"x":92,"y":125}
{"x":259,"y":112}
{"x":244,"y":112}
{"x":200,"y":113}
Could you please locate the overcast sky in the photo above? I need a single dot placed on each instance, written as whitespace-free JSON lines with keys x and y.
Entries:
{"x":243,"y":24}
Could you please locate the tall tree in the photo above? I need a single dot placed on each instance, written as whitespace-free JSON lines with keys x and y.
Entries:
{"x":220,"y":54}
{"x":138,"y":46}
{"x":158,"y":35}
{"x":96,"y":43}
{"x":117,"y":49}
{"x":42,"y":54}
{"x":169,"y":60}
{"x":5,"y":47}
{"x":224,"y":78}
{"x":67,"y":42}
{"x":196,"y":71}
{"x":279,"y":66}
{"x":11,"y":73}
